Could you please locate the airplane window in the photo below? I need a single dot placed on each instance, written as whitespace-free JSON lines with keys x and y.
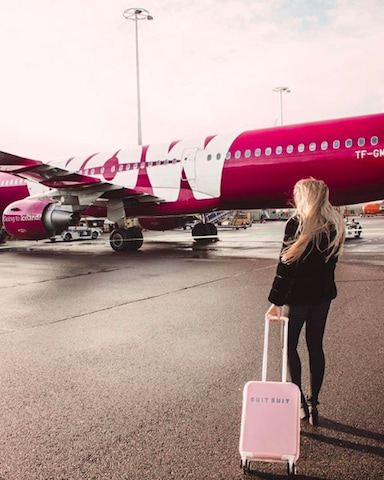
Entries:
{"x":361,"y":142}
{"x":348,"y":143}
{"x":374,"y":140}
{"x":312,"y":146}
{"x":92,"y":171}
{"x":218,"y":156}
{"x":257,"y":152}
{"x":237,"y":154}
{"x":209,"y":157}
{"x":128,"y":166}
{"x":158,"y":162}
{"x":166,"y":161}
{"x":301,"y":147}
{"x":290,"y":149}
{"x":113,"y":168}
{"x":336,"y":144}
{"x":324,"y":145}
{"x":247,"y":153}
{"x":279,"y":150}
{"x":268,"y":151}
{"x":135,"y":165}
{"x":228,"y":155}
{"x":174,"y":161}
{"x":102,"y":170}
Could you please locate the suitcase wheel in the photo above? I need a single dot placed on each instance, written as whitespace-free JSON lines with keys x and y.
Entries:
{"x":291,"y":469}
{"x":246,"y":466}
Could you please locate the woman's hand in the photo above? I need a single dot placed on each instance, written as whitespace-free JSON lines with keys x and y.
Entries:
{"x":273,"y":313}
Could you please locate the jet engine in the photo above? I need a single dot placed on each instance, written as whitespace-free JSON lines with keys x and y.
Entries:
{"x":35,"y":219}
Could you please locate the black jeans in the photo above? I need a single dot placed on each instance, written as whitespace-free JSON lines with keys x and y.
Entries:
{"x":314,"y":317}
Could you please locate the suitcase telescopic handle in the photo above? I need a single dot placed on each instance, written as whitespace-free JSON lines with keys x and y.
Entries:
{"x":285,"y":349}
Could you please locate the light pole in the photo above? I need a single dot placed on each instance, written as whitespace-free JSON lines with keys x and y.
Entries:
{"x":281,"y":90}
{"x":136,"y":14}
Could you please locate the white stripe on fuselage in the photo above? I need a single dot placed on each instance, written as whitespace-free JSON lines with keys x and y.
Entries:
{"x":203,"y":176}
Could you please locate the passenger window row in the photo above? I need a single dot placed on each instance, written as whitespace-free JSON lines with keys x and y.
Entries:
{"x":312,"y":147}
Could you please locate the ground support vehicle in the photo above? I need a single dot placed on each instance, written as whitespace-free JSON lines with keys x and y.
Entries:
{"x":77,"y":233}
{"x":353,"y":229}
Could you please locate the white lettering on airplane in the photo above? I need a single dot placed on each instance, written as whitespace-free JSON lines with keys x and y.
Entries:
{"x":376,"y":153}
{"x":22,"y":218}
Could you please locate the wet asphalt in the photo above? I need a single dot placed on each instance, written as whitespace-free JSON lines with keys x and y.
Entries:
{"x":132,"y":366}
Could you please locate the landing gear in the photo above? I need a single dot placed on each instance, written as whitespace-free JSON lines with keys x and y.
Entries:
{"x":3,"y":235}
{"x":204,"y":233}
{"x":126,"y":239}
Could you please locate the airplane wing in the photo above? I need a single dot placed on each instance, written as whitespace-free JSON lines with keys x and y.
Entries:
{"x":61,"y":179}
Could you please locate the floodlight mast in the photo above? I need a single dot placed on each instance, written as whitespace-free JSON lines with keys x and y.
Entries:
{"x":136,"y":14}
{"x":281,"y":90}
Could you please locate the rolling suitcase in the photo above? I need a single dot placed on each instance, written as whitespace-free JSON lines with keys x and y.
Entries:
{"x":270,"y":421}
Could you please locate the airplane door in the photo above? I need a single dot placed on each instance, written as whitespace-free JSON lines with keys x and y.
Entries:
{"x":188,"y":162}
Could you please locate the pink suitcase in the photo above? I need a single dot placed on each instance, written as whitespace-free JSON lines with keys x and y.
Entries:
{"x":270,"y":421}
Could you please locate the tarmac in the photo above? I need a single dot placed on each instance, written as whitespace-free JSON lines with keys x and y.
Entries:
{"x":132,"y":366}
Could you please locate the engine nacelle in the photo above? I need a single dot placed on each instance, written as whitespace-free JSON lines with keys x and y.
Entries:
{"x":373,"y":208}
{"x":35,"y":219}
{"x":162,"y":223}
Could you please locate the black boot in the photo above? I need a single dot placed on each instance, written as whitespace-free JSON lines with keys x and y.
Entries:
{"x":304,"y":411}
{"x":313,"y":412}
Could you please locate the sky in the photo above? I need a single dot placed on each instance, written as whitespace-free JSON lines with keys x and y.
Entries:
{"x":68,"y":76}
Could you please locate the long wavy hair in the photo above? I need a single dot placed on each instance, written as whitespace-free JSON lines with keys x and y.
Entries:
{"x":317,"y":220}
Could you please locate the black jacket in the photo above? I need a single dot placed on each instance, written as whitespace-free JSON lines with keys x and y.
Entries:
{"x":309,"y":280}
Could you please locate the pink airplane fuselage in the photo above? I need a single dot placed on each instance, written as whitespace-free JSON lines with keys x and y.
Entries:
{"x":254,"y":169}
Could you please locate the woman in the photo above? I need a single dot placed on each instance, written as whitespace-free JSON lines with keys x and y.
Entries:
{"x":305,"y":281}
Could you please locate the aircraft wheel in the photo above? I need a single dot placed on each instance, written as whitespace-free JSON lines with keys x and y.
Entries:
{"x":124,"y":239}
{"x":204,"y":233}
{"x":3,"y":235}
{"x":119,"y":240}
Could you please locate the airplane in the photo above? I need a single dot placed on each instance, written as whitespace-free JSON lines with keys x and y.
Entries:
{"x":161,"y":184}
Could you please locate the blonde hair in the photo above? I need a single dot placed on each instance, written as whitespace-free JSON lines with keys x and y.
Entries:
{"x":316,"y":218}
